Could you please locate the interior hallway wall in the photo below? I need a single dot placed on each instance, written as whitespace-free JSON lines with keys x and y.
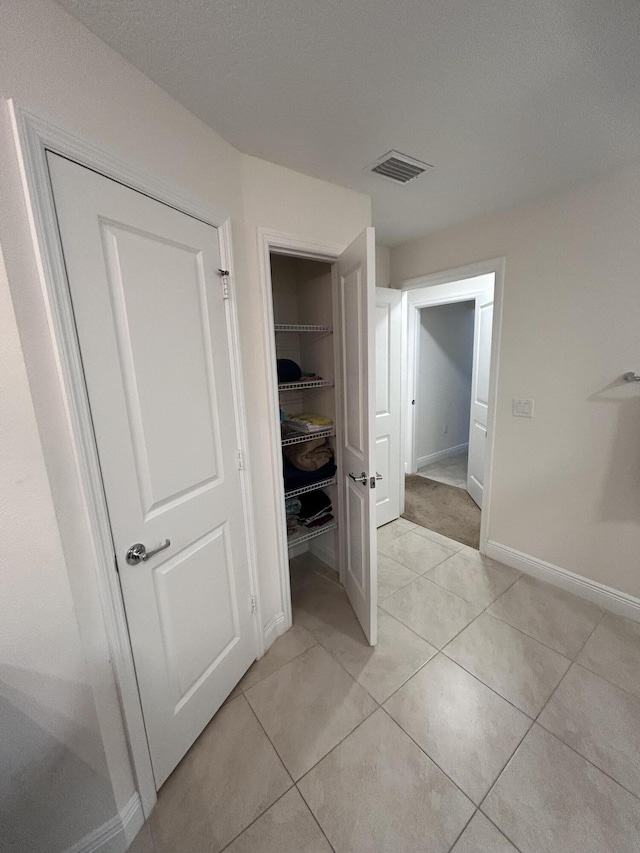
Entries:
{"x":62,"y":678}
{"x":444,"y":379}
{"x":383,"y":266}
{"x":566,"y":485}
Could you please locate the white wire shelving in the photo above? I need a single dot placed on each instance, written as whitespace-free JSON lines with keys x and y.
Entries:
{"x":321,"y":484}
{"x":294,"y":540}
{"x":301,"y":384}
{"x":299,"y":327}
{"x":307,"y":436}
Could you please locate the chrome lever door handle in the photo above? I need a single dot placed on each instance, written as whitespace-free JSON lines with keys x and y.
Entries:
{"x":138,"y":553}
{"x":379,"y":476}
{"x":361,"y":479}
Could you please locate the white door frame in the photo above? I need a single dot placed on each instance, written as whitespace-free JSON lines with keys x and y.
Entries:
{"x":444,"y":288}
{"x":34,"y":137}
{"x":284,"y":244}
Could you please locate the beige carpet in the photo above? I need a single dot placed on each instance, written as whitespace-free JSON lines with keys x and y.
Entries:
{"x":443,"y":508}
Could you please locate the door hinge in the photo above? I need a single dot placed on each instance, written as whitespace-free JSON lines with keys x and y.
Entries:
{"x":240,"y":460}
{"x":254,"y":604}
{"x":224,"y":275}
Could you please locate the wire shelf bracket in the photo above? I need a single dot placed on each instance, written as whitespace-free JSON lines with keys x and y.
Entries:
{"x":321,"y":484}
{"x":302,"y":384}
{"x":308,"y":436}
{"x":298,"y":327}
{"x":294,"y":540}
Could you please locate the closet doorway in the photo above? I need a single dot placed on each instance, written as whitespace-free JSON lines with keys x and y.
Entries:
{"x":321,"y":313}
{"x":451,"y":359}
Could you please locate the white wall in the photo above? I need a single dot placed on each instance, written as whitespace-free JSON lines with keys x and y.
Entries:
{"x":566,"y":485}
{"x":444,"y":379}
{"x":58,"y":674}
{"x":383,"y":266}
{"x":50,"y":743}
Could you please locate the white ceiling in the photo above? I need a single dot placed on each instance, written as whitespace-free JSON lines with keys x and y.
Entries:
{"x":508,"y":99}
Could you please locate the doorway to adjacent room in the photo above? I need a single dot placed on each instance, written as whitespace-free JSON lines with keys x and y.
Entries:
{"x":450,"y":385}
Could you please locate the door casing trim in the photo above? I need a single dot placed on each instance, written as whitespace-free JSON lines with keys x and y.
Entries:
{"x":33,"y":137}
{"x":445,"y":296}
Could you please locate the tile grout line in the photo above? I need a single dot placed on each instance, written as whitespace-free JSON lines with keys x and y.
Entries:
{"x":463,"y":830}
{"x":378,"y":705}
{"x":503,"y":768}
{"x":315,"y":818}
{"x":293,"y":781}
{"x":568,"y":745}
{"x":243,"y":690}
{"x":501,"y":831}
{"x":425,"y":753}
{"x":257,"y":818}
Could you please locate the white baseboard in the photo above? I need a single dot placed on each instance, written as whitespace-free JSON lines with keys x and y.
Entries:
{"x":604,"y":596}
{"x":273,"y":629}
{"x":421,"y":461}
{"x":298,"y":549}
{"x":117,"y":834}
{"x":327,"y":555}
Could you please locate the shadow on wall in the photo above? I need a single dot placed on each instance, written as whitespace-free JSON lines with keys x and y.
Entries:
{"x":621,"y":493}
{"x":54,"y":785}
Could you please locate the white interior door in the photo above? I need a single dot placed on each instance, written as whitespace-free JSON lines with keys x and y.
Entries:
{"x":154,"y":338}
{"x":483,"y":327}
{"x":356,"y":317}
{"x":388,"y":377}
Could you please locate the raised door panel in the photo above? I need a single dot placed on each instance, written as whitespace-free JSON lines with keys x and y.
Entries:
{"x":387,"y":403}
{"x":356,"y":315}
{"x":158,"y":297}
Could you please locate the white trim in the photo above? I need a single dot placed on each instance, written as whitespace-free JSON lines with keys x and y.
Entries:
{"x":274,"y":629}
{"x":34,"y":137}
{"x":441,"y":292}
{"x":285,"y":244}
{"x":327,"y":555}
{"x":115,"y":835}
{"x":430,"y":458}
{"x":604,"y":596}
{"x":457,"y":274}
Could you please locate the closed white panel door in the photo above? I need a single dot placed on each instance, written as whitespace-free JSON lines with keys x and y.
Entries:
{"x":154,"y":339}
{"x":356,"y":307}
{"x":480,"y":395}
{"x":388,"y":373}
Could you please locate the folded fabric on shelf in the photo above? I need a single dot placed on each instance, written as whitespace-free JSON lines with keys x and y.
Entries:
{"x":292,"y":507}
{"x":288,"y":371}
{"x":313,"y":503}
{"x":308,"y":422}
{"x":296,"y":479}
{"x":309,"y":455}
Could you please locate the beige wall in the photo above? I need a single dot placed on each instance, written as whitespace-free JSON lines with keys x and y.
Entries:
{"x":383,"y":266}
{"x":567,"y":482}
{"x":56,"y":663}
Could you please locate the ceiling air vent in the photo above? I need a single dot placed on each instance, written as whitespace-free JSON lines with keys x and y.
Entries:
{"x":398,"y":167}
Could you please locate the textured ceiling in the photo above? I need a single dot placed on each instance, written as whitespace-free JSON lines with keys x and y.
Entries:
{"x":508,"y":99}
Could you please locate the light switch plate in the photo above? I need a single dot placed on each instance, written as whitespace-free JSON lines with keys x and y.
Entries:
{"x":522,"y":408}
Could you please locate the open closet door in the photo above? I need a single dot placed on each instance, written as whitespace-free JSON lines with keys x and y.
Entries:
{"x":480,"y":395}
{"x":356,"y":322}
{"x":388,"y":402}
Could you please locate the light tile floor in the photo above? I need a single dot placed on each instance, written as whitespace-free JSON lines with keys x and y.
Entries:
{"x":452,"y":470}
{"x":497,"y":714}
